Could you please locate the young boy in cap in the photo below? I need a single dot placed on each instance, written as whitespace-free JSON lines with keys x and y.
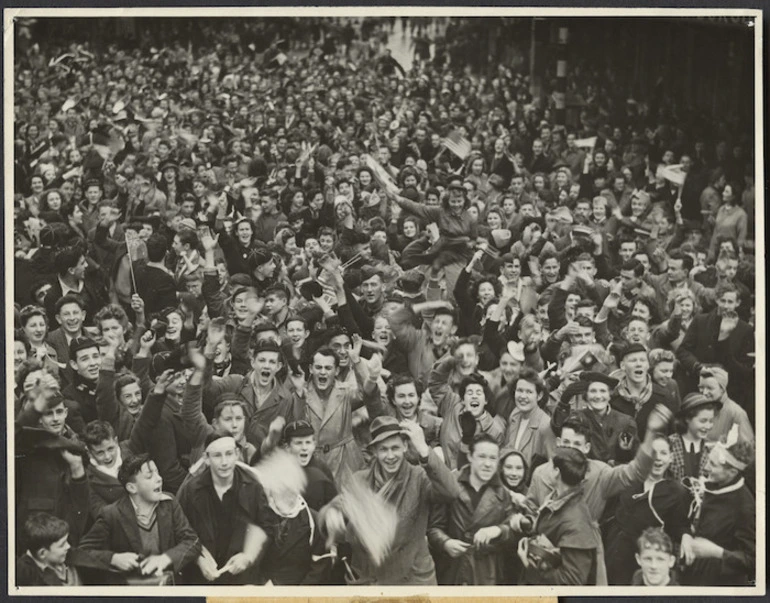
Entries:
{"x":636,"y":394}
{"x":266,"y":397}
{"x":44,"y":562}
{"x":656,"y":559}
{"x":229,"y":416}
{"x":296,"y":553}
{"x":298,"y":438}
{"x":86,"y":363}
{"x":142,"y":535}
{"x":613,"y":434}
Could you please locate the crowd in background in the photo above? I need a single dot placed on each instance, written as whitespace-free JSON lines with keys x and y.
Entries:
{"x":287,"y":311}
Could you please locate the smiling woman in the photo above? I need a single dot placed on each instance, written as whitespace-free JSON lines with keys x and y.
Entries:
{"x":315,"y":235}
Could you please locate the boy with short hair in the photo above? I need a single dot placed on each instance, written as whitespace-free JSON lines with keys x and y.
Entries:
{"x":107,"y":456}
{"x":656,"y":559}
{"x":44,"y":562}
{"x":299,"y":438}
{"x":141,"y":536}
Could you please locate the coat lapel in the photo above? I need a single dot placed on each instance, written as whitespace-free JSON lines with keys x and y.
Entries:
{"x":315,"y":408}
{"x":529,"y":432}
{"x":490,"y":505}
{"x":165,"y":526}
{"x":129,"y":525}
{"x":267,"y":406}
{"x":336,"y":398}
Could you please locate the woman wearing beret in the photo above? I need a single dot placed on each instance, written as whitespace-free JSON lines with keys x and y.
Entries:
{"x":689,"y":446}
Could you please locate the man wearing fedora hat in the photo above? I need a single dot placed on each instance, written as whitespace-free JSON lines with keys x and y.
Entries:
{"x":411,"y":489}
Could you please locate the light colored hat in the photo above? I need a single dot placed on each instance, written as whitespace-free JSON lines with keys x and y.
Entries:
{"x":716,"y":372}
{"x":340,"y":199}
{"x":561,"y":214}
{"x":187,"y":223}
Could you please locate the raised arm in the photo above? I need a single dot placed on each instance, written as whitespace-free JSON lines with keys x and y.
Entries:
{"x":141,"y":437}
{"x":107,"y":406}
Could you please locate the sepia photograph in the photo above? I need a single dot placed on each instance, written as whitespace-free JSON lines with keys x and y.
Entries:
{"x":410,"y":300}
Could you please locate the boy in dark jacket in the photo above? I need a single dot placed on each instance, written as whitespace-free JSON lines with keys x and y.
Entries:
{"x":106,"y":459}
{"x":227,"y":507}
{"x":50,"y":473}
{"x":298,"y":437}
{"x":45,"y":561}
{"x":144,"y":535}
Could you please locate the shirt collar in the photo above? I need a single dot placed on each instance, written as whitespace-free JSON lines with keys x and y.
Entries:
{"x":67,"y":289}
{"x":696,"y":444}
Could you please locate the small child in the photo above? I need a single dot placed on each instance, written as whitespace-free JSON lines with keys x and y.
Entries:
{"x":656,"y":559}
{"x":45,"y":561}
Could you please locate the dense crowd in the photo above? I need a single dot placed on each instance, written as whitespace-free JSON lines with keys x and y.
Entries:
{"x":288,"y":312}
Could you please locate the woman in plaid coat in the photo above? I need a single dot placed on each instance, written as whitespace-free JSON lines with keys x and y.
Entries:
{"x":689,"y":447}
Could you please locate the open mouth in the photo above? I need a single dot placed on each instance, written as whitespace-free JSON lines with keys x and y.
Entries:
{"x":383,"y":337}
{"x":322,"y":381}
{"x":264,"y":377}
{"x":639,"y":373}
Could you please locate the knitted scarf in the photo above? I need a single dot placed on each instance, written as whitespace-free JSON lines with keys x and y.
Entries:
{"x":640,"y":400}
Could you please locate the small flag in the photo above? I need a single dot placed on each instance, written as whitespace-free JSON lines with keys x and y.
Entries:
{"x":672,"y":173}
{"x":137,"y":249}
{"x":586,"y":143}
{"x":457,"y":144}
{"x":371,"y":518}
